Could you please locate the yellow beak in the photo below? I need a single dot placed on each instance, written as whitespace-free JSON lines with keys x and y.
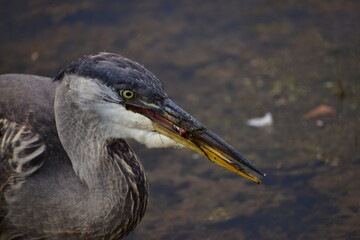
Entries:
{"x":170,"y":120}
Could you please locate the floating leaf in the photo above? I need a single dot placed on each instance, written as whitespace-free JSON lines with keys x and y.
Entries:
{"x":320,"y":111}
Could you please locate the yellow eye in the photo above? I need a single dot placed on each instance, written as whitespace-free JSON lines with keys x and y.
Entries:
{"x":128,"y":94}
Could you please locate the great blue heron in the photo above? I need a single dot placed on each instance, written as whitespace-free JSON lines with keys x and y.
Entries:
{"x":66,"y":170}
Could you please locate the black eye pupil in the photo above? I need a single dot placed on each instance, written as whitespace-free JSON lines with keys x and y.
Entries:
{"x":128,"y":94}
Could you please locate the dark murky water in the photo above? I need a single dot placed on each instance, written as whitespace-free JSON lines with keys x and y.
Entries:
{"x":227,"y":62}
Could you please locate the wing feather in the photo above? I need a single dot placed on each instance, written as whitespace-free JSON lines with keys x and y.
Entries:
{"x":20,"y":152}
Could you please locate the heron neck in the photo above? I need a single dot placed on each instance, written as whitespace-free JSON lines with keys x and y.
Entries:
{"x":96,"y":159}
{"x":114,"y":180}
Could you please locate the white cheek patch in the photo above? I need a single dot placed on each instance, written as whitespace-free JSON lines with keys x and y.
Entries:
{"x":152,"y":139}
{"x":122,"y":123}
{"x":117,"y":115}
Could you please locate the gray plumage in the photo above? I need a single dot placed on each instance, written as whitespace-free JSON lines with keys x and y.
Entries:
{"x":66,"y":171}
{"x":52,"y":202}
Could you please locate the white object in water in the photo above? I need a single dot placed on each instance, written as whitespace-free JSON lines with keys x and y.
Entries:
{"x":264,"y":121}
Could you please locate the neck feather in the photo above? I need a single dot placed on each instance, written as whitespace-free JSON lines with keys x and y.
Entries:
{"x":116,"y":183}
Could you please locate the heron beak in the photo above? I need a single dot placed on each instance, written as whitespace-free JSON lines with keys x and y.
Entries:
{"x":173,"y":122}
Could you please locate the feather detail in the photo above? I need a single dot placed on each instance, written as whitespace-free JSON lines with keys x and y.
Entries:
{"x":20,"y":148}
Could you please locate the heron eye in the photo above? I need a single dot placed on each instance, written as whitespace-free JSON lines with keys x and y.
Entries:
{"x":127,"y":94}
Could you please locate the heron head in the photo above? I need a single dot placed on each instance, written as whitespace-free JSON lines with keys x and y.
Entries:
{"x":131,"y":103}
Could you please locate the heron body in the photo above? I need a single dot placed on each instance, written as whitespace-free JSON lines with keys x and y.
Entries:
{"x":66,"y":171}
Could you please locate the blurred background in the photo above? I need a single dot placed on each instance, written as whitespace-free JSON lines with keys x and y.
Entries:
{"x":226,"y":62}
